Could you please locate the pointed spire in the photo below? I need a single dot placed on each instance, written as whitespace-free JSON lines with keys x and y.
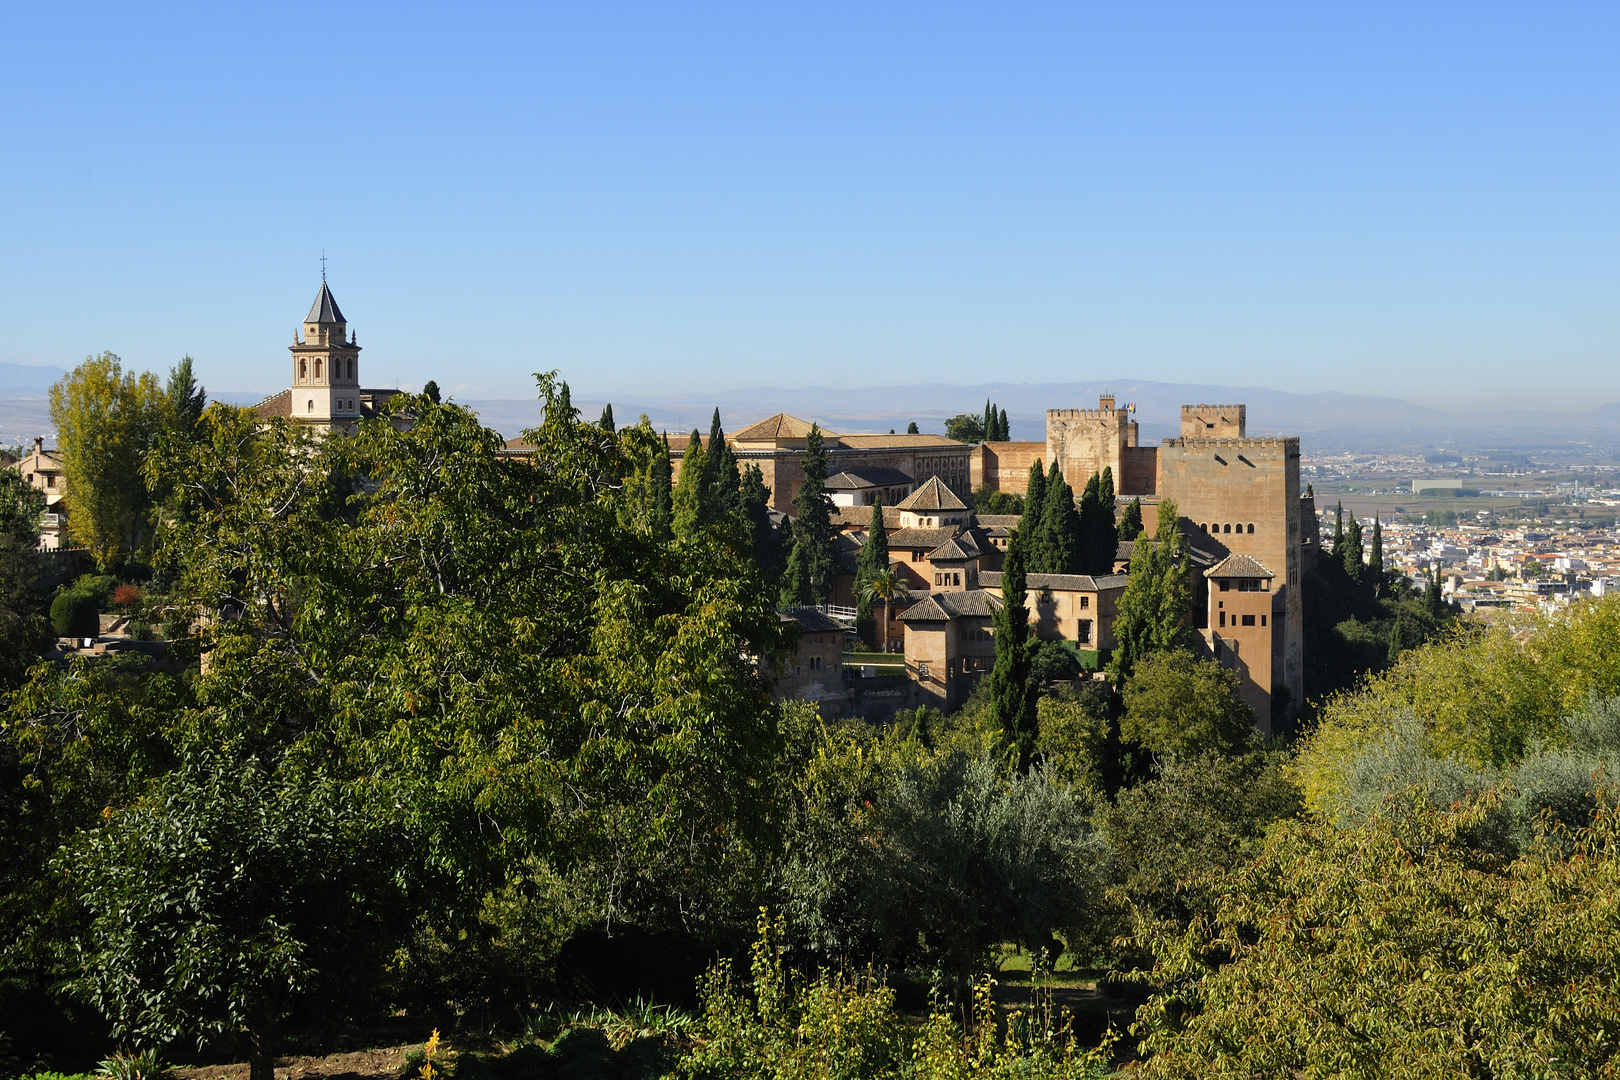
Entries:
{"x":325,"y":309}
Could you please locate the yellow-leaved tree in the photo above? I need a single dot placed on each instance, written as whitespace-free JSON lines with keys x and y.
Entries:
{"x":106,"y":420}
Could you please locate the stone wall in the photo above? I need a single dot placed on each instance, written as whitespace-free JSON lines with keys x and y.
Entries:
{"x":1004,"y":466}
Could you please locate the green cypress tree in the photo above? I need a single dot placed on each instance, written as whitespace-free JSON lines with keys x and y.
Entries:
{"x":606,"y":423}
{"x":1012,"y":692}
{"x":691,"y":491}
{"x":1375,"y":559}
{"x":1152,"y":616}
{"x":754,"y":500}
{"x":1107,"y":542}
{"x":872,"y":560}
{"x":1030,"y":523}
{"x":1395,"y":639}
{"x":1353,"y":551}
{"x":1090,"y":526}
{"x":661,"y":497}
{"x":812,"y":527}
{"x":911,"y":428}
{"x":795,"y":588}
{"x":186,"y":399}
{"x":1130,"y":522}
{"x":1061,"y":538}
{"x":1005,"y":429}
{"x":1336,"y":552}
{"x":988,"y":421}
{"x":1433,"y":598}
{"x":725,"y":483}
{"x":565,"y":406}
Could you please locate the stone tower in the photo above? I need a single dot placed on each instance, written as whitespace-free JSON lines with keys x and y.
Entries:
{"x":325,"y":385}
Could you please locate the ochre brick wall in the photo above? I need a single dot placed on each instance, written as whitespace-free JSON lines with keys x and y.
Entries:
{"x":1004,"y":466}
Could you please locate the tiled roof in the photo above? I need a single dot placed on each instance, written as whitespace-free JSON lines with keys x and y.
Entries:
{"x":854,"y":479}
{"x":860,"y":517}
{"x":928,"y":539}
{"x":933,"y":495}
{"x":1238,"y":566}
{"x":275,"y":405}
{"x":780,"y":426}
{"x":964,"y":545}
{"x":943,"y":606}
{"x":324,"y":309}
{"x":898,"y":442}
{"x":991,"y":579}
{"x":371,"y":402}
{"x":998,"y":521}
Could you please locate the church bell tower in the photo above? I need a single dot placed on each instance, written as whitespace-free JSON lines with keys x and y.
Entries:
{"x":325,"y":383}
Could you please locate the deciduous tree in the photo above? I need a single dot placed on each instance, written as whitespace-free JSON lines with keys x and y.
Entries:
{"x":1153,"y":611}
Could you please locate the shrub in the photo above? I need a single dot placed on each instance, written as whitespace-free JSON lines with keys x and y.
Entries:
{"x":75,"y":614}
{"x":126,"y":596}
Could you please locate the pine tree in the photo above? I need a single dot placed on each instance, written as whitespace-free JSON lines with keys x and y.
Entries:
{"x":1012,"y":692}
{"x":1375,"y":560}
{"x":1130,"y":522}
{"x":1353,"y":551}
{"x":186,"y":398}
{"x":872,"y":559}
{"x":661,"y":497}
{"x":606,"y":423}
{"x":691,"y":492}
{"x":1152,"y":613}
{"x":987,"y":423}
{"x":565,"y":405}
{"x":1005,"y":429}
{"x":796,"y":577}
{"x":812,"y":527}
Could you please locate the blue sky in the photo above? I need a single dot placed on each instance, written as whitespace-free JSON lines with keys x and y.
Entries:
{"x":1408,"y":199}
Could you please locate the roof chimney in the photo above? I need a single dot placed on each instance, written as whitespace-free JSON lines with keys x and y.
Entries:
{"x":39,"y":444}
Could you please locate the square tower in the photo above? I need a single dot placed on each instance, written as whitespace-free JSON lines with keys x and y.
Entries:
{"x":325,"y":386}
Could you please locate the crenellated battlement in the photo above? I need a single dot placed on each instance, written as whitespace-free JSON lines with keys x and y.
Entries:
{"x":1216,"y":442}
{"x":1084,"y":414}
{"x":1191,"y":409}
{"x":1212,"y":420}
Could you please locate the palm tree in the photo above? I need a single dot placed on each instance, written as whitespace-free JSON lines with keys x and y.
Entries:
{"x":887,"y":586}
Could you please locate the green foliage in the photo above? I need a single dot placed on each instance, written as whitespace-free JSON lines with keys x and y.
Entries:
{"x":605,"y":422}
{"x":843,"y":1026}
{"x":1059,"y":545}
{"x":693,"y":504}
{"x":1130,"y":522}
{"x":430,"y":390}
{"x":1351,"y":554}
{"x":1194,"y":817}
{"x":186,"y":399}
{"x":813,"y":564}
{"x":22,"y":624}
{"x":75,"y":614}
{"x":1394,"y":952}
{"x":988,"y":501}
{"x":1152,"y":613}
{"x":1483,"y":695}
{"x":1055,"y":660}
{"x":106,"y":421}
{"x":1012,"y":691}
{"x":1177,"y":705}
{"x":911,"y":428}
{"x":226,"y":898}
{"x":871,"y":560}
{"x":965,"y":428}
{"x":142,"y":1065}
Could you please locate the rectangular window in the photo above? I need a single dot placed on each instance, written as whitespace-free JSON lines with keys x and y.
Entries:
{"x":922,"y":671}
{"x":1262,"y":620}
{"x":1248,"y":620}
{"x":1226,"y":586}
{"x":958,"y":579}
{"x":1085,"y":602}
{"x":1223,"y":618}
{"x":1084,"y":636}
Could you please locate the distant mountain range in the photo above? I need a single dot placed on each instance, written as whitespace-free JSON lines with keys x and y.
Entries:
{"x":1327,"y":422}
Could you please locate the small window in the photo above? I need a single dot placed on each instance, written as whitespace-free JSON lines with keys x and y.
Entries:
{"x":311,"y":406}
{"x":1262,"y":620}
{"x":937,"y":579}
{"x":957,"y":579}
{"x":1223,"y":618}
{"x":1228,"y":528}
{"x":1251,"y":528}
{"x":1226,"y":586}
{"x":1248,"y":620}
{"x":1085,"y":602}
{"x":1084,"y":635}
{"x":922,"y":671}
{"x":1201,"y":525}
{"x":303,"y":368}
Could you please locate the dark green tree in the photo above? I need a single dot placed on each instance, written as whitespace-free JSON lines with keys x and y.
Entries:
{"x":1130,"y":522}
{"x":755,"y":507}
{"x":22,"y":623}
{"x":693,"y":508}
{"x":1153,"y":611}
{"x":911,"y":428}
{"x":965,"y":428}
{"x":1353,"y":551}
{"x":1336,"y":552}
{"x":1375,"y":559}
{"x":430,"y":390}
{"x":1061,"y":539}
{"x":661,"y":495}
{"x":724,"y":480}
{"x":1005,"y":428}
{"x":989,"y":424}
{"x":606,"y":423}
{"x":872,"y":560}
{"x":1433,"y":598}
{"x":1013,"y":693}
{"x":1396,"y":642}
{"x":812,"y":524}
{"x":796,"y":586}
{"x":186,"y":399}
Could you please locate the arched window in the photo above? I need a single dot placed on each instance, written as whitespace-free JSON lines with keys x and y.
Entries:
{"x":303,"y":368}
{"x":317,"y":367}
{"x":1204,"y":527}
{"x":351,"y":367}
{"x":1251,"y":528}
{"x":1228,"y":528}
{"x":311,"y":404}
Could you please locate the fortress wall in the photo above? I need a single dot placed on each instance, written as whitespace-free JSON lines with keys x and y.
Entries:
{"x":1004,"y":466}
{"x":1139,"y":472}
{"x":1084,"y":441}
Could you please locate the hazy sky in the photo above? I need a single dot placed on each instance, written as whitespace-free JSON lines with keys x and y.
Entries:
{"x":1409,"y":199}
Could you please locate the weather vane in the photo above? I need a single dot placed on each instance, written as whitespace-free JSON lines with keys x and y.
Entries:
{"x":323,"y":266}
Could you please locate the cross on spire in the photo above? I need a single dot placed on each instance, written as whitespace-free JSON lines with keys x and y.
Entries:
{"x":323,"y":266}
